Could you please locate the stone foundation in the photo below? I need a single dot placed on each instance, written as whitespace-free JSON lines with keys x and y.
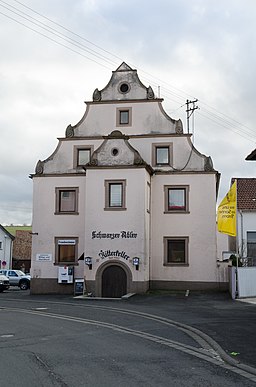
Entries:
{"x":49,"y":286}
{"x":188,"y":285}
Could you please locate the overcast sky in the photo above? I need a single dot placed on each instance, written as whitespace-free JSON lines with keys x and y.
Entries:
{"x":200,"y":49}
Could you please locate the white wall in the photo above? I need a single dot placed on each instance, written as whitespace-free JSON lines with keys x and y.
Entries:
{"x":246,"y":221}
{"x":6,"y":251}
{"x":199,"y":225}
{"x":134,"y":219}
{"x":48,"y":225}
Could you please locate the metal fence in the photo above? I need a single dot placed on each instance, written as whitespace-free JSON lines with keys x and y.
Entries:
{"x":248,"y":261}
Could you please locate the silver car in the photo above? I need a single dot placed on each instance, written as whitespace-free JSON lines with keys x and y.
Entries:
{"x":17,"y":278}
{"x":4,"y":283}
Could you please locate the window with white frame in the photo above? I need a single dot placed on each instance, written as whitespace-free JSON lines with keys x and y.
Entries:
{"x":176,"y":251}
{"x":162,"y":154}
{"x":115,"y":194}
{"x":82,"y":155}
{"x":176,"y":198}
{"x":66,"y":249}
{"x":251,"y":243}
{"x":66,"y":200}
{"x":123,"y":117}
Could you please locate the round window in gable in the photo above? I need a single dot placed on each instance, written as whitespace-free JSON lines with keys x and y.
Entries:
{"x":124,"y":88}
{"x":115,"y":151}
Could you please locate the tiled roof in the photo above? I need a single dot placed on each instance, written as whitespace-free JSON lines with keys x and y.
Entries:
{"x":246,"y":193}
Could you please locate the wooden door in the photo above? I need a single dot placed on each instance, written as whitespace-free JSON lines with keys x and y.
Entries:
{"x":114,"y":282}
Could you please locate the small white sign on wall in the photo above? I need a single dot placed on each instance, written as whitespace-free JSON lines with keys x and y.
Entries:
{"x":44,"y":257}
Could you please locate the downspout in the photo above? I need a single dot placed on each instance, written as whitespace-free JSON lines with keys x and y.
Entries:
{"x":11,"y":249}
{"x":242,"y":233}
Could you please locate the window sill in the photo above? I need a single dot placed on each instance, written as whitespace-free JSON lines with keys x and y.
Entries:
{"x":177,"y":212}
{"x":120,"y":125}
{"x":66,"y":213}
{"x":176,"y":264}
{"x":115,"y":209}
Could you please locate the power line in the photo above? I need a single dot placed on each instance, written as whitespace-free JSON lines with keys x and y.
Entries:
{"x":227,"y":127}
{"x":68,"y":30}
{"x":55,"y":41}
{"x":174,"y":94}
{"x":52,"y":31}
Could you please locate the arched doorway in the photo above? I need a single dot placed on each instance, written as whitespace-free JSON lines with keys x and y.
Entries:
{"x":114,"y":282}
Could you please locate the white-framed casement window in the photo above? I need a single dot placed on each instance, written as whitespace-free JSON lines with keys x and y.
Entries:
{"x":176,"y":251}
{"x":115,"y":194}
{"x":123,"y":117}
{"x":176,"y":198}
{"x":251,"y":244}
{"x":66,"y":200}
{"x":162,"y":154}
{"x":66,"y":250}
{"x":82,"y":155}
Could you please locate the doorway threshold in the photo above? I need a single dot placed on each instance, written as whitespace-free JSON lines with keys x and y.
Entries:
{"x":91,"y":298}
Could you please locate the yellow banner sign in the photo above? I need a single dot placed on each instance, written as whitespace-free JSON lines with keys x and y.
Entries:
{"x":226,"y":215}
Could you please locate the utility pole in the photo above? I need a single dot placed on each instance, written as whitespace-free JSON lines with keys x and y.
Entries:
{"x":190,"y":110}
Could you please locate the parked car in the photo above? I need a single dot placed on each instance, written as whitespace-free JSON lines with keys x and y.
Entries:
{"x":4,"y":283}
{"x":17,"y":278}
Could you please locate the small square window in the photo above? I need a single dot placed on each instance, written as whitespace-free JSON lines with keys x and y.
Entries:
{"x":175,"y":251}
{"x":176,"y":199}
{"x":66,"y":200}
{"x":123,"y":117}
{"x":115,"y":195}
{"x":83,"y":156}
{"x":66,"y":250}
{"x":161,"y":154}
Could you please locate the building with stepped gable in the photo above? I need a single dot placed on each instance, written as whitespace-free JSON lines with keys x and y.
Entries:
{"x":125,"y":201}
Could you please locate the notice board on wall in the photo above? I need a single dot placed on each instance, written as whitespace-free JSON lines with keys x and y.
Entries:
{"x":79,"y":287}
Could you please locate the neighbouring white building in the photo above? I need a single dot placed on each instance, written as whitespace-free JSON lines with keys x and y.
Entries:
{"x":125,"y":201}
{"x":245,"y":242}
{"x":6,"y":245}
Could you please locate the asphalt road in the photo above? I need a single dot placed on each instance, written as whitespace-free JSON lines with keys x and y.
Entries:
{"x":164,"y":340}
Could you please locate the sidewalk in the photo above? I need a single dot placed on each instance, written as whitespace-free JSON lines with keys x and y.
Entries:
{"x":251,"y":300}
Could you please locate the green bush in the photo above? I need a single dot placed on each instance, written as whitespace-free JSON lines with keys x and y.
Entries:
{"x":234,"y":260}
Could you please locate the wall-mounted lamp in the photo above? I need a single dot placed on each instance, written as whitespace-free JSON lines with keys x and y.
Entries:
{"x":88,"y":262}
{"x":136,"y":262}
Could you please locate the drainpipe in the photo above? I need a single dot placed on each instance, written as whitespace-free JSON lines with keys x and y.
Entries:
{"x":11,"y":249}
{"x":242,"y":233}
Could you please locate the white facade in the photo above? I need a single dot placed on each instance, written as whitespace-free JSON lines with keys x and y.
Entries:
{"x":6,"y":244}
{"x":246,"y":223}
{"x":140,"y":210}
